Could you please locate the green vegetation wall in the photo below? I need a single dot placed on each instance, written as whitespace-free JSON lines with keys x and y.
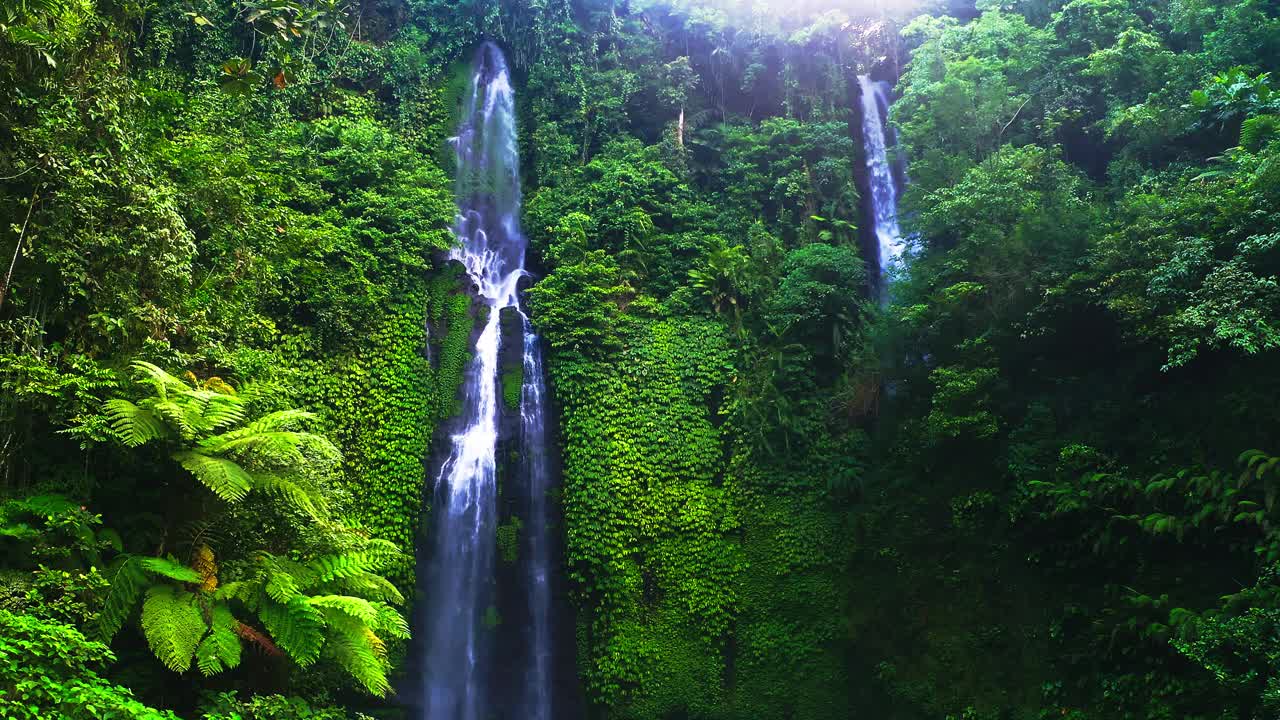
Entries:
{"x":695,"y":210}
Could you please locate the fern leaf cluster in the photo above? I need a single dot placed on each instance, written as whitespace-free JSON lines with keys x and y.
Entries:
{"x":219,"y":445}
{"x":220,"y":649}
{"x":173,"y":625}
{"x":336,"y":604}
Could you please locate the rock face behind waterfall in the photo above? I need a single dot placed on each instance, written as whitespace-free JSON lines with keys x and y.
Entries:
{"x":485,"y":630}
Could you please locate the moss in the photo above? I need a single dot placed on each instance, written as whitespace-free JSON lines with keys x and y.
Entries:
{"x":512,"y":383}
{"x":454,"y":351}
{"x":508,"y":540}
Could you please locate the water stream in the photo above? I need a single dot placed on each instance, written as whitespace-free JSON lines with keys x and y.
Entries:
{"x":459,"y":582}
{"x":884,"y":191}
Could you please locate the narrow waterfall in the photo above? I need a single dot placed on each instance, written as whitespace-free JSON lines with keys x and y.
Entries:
{"x":458,"y":588}
{"x":884,"y":193}
{"x":538,"y":684}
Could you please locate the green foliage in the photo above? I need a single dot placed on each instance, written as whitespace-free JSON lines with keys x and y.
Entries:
{"x":508,"y":540}
{"x":228,"y":453}
{"x":173,"y":626}
{"x":51,"y":670}
{"x":226,"y":706}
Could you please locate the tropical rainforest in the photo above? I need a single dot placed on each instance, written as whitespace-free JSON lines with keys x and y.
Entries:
{"x":1024,"y":473}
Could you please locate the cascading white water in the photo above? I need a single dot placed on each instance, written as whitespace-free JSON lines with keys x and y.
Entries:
{"x":884,"y":193}
{"x":459,"y":583}
{"x":538,"y":685}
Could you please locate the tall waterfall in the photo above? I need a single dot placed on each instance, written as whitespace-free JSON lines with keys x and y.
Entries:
{"x":459,"y":583}
{"x":884,"y":193}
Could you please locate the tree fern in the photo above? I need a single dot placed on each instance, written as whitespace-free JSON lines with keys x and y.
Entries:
{"x":161,"y":381}
{"x":390,"y":622}
{"x":271,"y":422}
{"x":281,"y":587}
{"x":132,"y":424}
{"x":1257,"y":131}
{"x":180,"y":416}
{"x":170,"y":568}
{"x":375,"y":555}
{"x":296,"y":626}
{"x":360,"y":652}
{"x":127,"y":581}
{"x":353,"y":607}
{"x":372,"y":586}
{"x":173,"y":625}
{"x":293,"y":492}
{"x":337,"y":567}
{"x":238,"y":590}
{"x":220,"y":649}
{"x":206,"y":565}
{"x":216,"y":410}
{"x":277,"y":448}
{"x":224,"y":477}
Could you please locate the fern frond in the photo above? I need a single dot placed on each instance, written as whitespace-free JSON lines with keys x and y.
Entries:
{"x":280,"y":420}
{"x":390,"y":622}
{"x":132,"y":424}
{"x":223,"y":411}
{"x":172,"y":569}
{"x":296,"y":626}
{"x":372,"y":586}
{"x":224,"y":477}
{"x":361,"y":653}
{"x":237,"y":590}
{"x":375,"y":555}
{"x":353,"y":607}
{"x":126,"y":587}
{"x":220,"y":649}
{"x":253,"y":392}
{"x":296,"y":494}
{"x":155,"y":376}
{"x":281,"y":587}
{"x":179,"y":416}
{"x":294,"y":576}
{"x":173,"y":625}
{"x":204,"y":563}
{"x":337,"y":567}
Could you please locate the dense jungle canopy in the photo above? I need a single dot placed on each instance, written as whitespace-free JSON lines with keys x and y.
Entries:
{"x":1023,"y":473}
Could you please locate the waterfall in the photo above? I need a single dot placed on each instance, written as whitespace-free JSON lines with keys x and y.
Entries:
{"x":459,"y":583}
{"x":884,"y":193}
{"x":537,"y":687}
